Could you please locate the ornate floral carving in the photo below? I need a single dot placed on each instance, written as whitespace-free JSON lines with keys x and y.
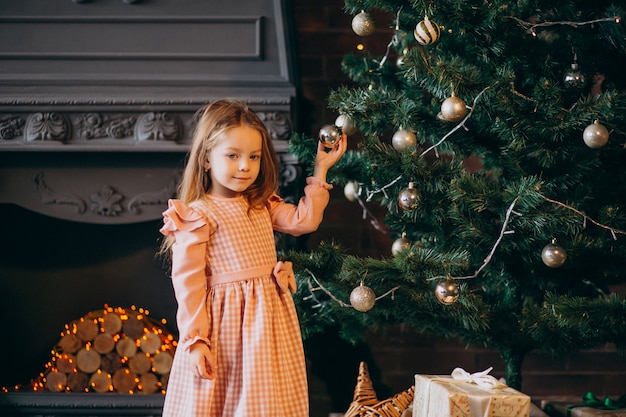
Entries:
{"x":94,"y":125}
{"x":154,"y":197}
{"x":277,"y":123}
{"x":11,"y":128}
{"x":158,"y":126}
{"x":47,"y":127}
{"x":106,"y":202}
{"x":48,"y":196}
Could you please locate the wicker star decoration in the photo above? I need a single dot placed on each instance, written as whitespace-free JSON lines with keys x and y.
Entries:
{"x":365,"y":404}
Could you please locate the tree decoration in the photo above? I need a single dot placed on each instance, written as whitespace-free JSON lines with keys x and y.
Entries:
{"x":400,"y":245}
{"x":453,"y":109}
{"x":409,"y":198}
{"x":553,"y":255}
{"x":447,"y":291}
{"x":426,"y":32}
{"x":351,"y":191}
{"x":595,"y":135}
{"x":363,"y":24}
{"x":403,"y":139}
{"x":329,"y":135}
{"x":574,"y":78}
{"x":346,"y":125}
{"x":362,"y":298}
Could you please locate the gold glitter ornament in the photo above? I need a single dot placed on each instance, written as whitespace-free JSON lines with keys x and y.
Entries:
{"x":362,"y":298}
{"x":409,"y":198}
{"x":595,"y":135}
{"x":403,"y":139}
{"x":363,"y":24}
{"x":453,"y":109}
{"x":553,"y":255}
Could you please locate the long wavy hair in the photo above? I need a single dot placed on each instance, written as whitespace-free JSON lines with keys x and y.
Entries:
{"x":213,"y":121}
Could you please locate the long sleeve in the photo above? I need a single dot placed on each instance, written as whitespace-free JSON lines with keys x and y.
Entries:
{"x":191,"y":233}
{"x":307,"y":215}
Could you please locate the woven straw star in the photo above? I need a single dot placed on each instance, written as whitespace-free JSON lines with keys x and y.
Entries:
{"x":365,"y":404}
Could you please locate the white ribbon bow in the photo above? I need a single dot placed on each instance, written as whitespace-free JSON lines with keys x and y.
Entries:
{"x":482,"y":379}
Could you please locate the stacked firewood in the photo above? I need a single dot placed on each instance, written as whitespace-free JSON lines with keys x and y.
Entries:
{"x":111,"y":350}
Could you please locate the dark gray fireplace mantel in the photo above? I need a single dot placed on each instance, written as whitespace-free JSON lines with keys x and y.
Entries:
{"x":97,"y":97}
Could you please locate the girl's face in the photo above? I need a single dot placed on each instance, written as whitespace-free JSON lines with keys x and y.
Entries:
{"x":235,"y":162}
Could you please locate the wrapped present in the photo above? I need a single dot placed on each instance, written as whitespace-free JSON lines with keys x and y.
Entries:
{"x":588,"y":406}
{"x":462,"y":394}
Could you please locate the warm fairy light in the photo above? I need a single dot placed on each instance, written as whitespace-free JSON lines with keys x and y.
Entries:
{"x":360,"y":47}
{"x":617,"y":20}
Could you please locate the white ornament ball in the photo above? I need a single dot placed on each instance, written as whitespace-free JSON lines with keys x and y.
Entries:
{"x":553,"y":255}
{"x":426,"y":32}
{"x":345,"y":124}
{"x":400,"y":245}
{"x":351,"y":191}
{"x":453,"y":109}
{"x":403,"y":139}
{"x":362,"y":298}
{"x":447,"y":292}
{"x":329,"y":135}
{"x":595,"y":135}
{"x":363,"y":24}
{"x":409,"y":198}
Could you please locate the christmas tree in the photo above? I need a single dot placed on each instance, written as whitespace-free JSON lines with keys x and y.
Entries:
{"x":493,"y":133}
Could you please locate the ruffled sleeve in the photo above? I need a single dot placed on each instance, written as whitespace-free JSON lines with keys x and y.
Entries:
{"x":191,"y":231}
{"x":307,"y":215}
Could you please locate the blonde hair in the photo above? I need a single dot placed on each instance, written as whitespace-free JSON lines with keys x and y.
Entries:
{"x":213,"y":120}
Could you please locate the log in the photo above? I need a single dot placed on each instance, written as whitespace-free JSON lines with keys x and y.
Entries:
{"x":56,"y":381}
{"x":111,"y":362}
{"x":150,"y":342}
{"x":78,"y":382}
{"x":101,"y":382}
{"x":70,"y":343}
{"x":140,"y":364}
{"x":126,"y":347}
{"x":111,"y":323}
{"x":162,"y":363}
{"x":148,"y":383}
{"x":88,"y":360}
{"x":133,"y":327}
{"x":86,"y":329}
{"x":124,"y":380}
{"x":66,"y":363}
{"x":103,"y":343}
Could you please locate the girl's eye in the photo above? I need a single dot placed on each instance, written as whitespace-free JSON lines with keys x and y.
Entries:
{"x":255,"y":157}
{"x":231,"y":156}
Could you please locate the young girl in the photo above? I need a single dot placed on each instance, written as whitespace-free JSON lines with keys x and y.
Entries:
{"x":240,"y":350}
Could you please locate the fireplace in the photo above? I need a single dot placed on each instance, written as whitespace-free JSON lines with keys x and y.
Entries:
{"x":96,"y":111}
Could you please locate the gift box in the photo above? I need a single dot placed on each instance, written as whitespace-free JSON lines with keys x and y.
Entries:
{"x":587,"y":406}
{"x":467,"y":395}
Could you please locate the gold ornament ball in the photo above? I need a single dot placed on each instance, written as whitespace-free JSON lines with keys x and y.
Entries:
{"x":403,"y":139}
{"x":363,"y":24}
{"x":351,"y":191}
{"x":345,"y":124}
{"x":409,"y":198}
{"x":362,"y":298}
{"x":329,"y":135}
{"x":400,"y":245}
{"x":447,"y":292}
{"x":453,"y":109}
{"x":553,"y":255}
{"x":595,"y":135}
{"x":426,"y":32}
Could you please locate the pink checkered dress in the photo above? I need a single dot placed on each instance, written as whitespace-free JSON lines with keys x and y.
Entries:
{"x":222,"y":265}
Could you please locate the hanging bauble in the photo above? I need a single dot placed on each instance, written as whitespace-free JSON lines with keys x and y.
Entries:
{"x":553,"y":255}
{"x":403,"y":139}
{"x":453,"y":109}
{"x":409,"y":198}
{"x":447,"y":292}
{"x":362,"y":298}
{"x":426,"y":32}
{"x":363,"y":24}
{"x":595,"y":135}
{"x":400,"y":245}
{"x":345,"y":124}
{"x":330,"y":135}
{"x":574,"y":78}
{"x":351,"y":191}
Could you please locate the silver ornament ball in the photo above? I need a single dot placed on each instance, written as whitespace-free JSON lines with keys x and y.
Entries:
{"x":447,"y":292}
{"x":574,"y":79}
{"x":329,"y":135}
{"x":553,"y":255}
{"x":453,"y":109}
{"x":403,"y":139}
{"x":409,"y":198}
{"x":400,"y":245}
{"x":351,"y":191}
{"x":595,"y":135}
{"x":345,"y":124}
{"x":363,"y":24}
{"x":362,"y":298}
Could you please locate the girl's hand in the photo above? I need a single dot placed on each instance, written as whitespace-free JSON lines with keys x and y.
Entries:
{"x":202,"y":360}
{"x":324,"y":160}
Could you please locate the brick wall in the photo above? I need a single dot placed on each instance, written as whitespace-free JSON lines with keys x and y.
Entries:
{"x":395,"y":354}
